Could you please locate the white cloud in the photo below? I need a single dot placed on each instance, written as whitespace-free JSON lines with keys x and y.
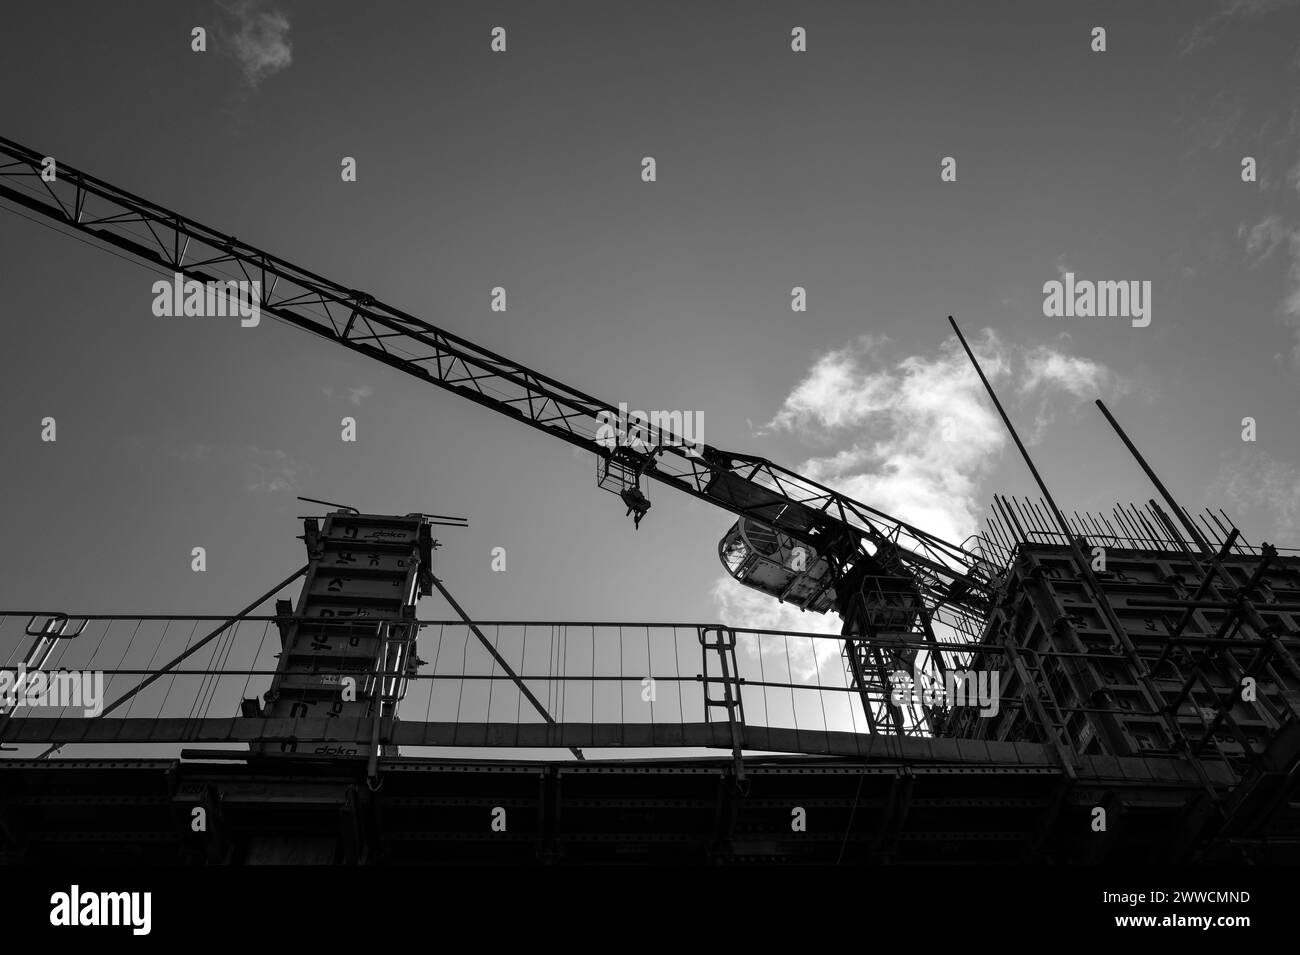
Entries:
{"x":1207,"y":31}
{"x":805,"y":660}
{"x":191,"y":453}
{"x":1048,"y":372}
{"x":742,"y":606}
{"x":354,"y":395}
{"x":1256,"y":480}
{"x":1265,"y":236}
{"x":915,"y":437}
{"x":1262,"y":240}
{"x":1079,"y":377}
{"x":258,"y":38}
{"x":268,"y":471}
{"x":835,"y":392}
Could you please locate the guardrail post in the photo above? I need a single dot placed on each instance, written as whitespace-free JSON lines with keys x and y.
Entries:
{"x":725,"y":647}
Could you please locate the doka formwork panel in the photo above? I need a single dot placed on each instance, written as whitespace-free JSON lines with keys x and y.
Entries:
{"x":361,"y":581}
{"x":1049,"y":610}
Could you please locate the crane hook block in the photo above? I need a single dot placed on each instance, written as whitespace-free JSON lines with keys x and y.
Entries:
{"x":637,"y":504}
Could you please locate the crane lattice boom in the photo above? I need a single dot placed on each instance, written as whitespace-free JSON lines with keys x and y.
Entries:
{"x":779,"y":511}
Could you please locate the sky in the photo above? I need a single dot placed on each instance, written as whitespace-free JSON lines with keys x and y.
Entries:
{"x":775,"y":169}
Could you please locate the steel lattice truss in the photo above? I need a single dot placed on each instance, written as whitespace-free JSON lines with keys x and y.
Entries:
{"x":748,"y":486}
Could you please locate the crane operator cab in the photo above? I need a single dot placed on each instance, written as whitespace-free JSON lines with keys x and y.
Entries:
{"x":762,"y":557}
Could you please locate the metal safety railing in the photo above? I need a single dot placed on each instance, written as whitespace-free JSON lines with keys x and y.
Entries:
{"x":595,"y":673}
{"x":628,"y":684}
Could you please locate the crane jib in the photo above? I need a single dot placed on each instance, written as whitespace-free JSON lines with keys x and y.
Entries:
{"x":759,"y":492}
{"x":775,"y":510}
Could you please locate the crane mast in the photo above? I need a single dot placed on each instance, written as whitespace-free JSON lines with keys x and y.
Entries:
{"x":794,"y":539}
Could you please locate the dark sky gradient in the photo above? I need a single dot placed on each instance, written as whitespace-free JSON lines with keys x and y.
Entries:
{"x":522,"y":170}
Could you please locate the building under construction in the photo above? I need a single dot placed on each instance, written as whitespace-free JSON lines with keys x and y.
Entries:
{"x":1067,"y":688}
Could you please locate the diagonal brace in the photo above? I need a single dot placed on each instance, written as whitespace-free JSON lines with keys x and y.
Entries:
{"x":528,"y":694}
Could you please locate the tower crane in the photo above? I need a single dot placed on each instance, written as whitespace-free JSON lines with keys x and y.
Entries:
{"x":794,"y":539}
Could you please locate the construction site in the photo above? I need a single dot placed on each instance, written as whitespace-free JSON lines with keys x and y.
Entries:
{"x":1063,"y":688}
